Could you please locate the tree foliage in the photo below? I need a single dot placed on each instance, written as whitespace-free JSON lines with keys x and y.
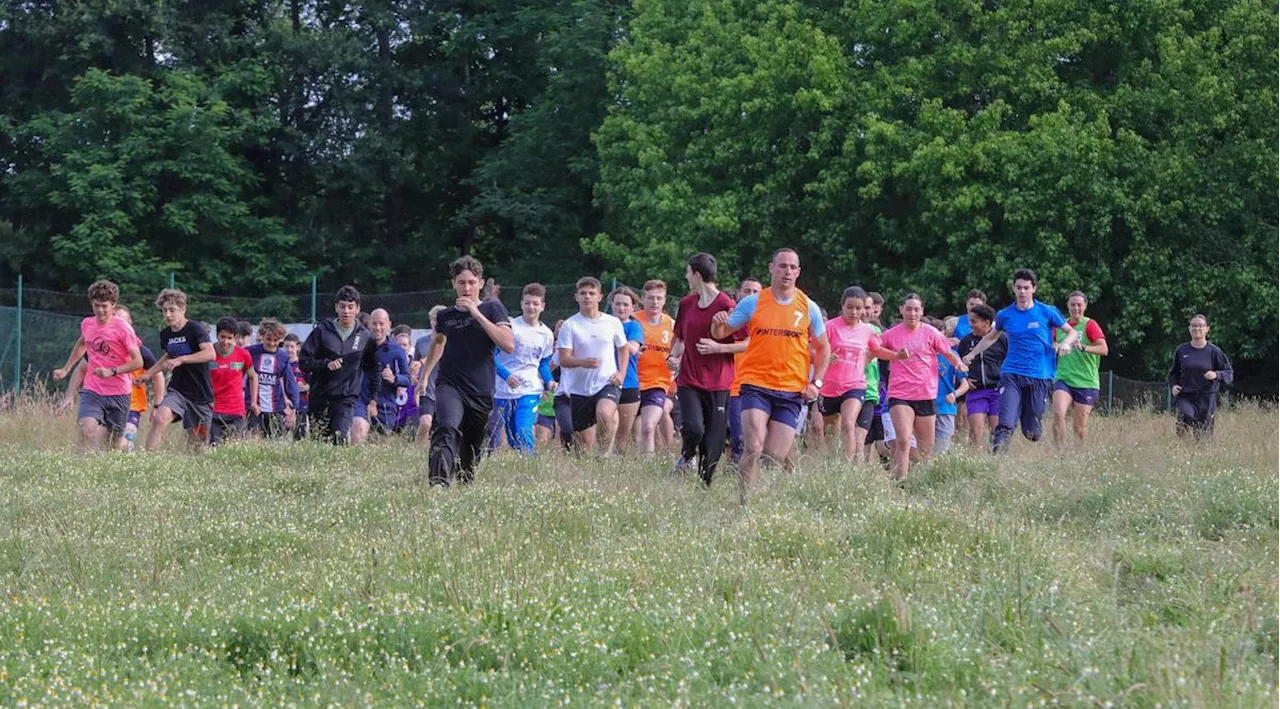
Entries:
{"x":1125,"y":149}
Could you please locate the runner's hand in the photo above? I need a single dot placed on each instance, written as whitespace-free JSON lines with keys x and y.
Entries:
{"x":720,"y":318}
{"x":591,"y":363}
{"x":387,"y":375}
{"x":513,"y":381}
{"x":1211,"y":375}
{"x":1177,"y":390}
{"x":811,"y":392}
{"x":468,"y":306}
{"x":707,"y":346}
{"x":102,"y":372}
{"x":59,"y":375}
{"x":616,"y":379}
{"x":335,"y":364}
{"x":951,"y":398}
{"x":171,"y":364}
{"x":963,"y":368}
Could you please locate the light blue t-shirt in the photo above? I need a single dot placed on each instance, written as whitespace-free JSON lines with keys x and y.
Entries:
{"x":634,"y":333}
{"x":948,"y":380}
{"x":747,"y":307}
{"x":1030,"y":334}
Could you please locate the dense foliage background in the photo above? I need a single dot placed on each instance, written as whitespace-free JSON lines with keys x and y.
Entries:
{"x":1125,"y":149}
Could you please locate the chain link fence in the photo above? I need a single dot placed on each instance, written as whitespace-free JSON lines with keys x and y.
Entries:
{"x":35,"y":343}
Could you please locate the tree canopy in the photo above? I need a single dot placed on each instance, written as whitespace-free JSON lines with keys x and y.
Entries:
{"x":1124,"y":149}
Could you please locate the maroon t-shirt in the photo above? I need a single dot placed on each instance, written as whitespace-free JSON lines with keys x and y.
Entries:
{"x":706,"y":372}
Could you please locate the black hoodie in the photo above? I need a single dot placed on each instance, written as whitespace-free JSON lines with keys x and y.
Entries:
{"x":359,"y":355}
{"x":984,"y":370}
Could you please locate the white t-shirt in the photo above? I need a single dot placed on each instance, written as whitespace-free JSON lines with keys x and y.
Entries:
{"x":533,"y":344}
{"x":599,"y":338}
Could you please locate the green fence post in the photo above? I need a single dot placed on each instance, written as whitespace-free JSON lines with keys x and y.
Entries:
{"x":615,"y":284}
{"x":313,"y":299}
{"x":1111,"y":389}
{"x":17,"y":360}
{"x":171,"y":280}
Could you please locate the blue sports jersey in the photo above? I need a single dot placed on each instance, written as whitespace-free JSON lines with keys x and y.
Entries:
{"x":1030,"y":335}
{"x":276,"y":383}
{"x":634,"y":333}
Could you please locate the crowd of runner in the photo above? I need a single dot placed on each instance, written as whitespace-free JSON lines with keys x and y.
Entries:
{"x":749,"y":373}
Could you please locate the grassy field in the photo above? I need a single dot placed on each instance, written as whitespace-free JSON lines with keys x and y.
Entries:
{"x":1135,"y":572}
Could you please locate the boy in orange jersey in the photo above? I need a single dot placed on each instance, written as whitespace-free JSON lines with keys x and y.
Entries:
{"x":655,"y":376}
{"x":781,"y":321}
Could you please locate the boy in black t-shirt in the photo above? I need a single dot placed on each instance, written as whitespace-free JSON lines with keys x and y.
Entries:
{"x":463,"y":346}
{"x":187,"y":352}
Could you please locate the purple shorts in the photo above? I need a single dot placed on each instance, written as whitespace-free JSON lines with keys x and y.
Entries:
{"x":653,"y":397}
{"x":983,"y":401}
{"x":782,"y":406}
{"x":1083,"y":397}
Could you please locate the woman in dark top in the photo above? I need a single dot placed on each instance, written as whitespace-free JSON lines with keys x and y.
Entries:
{"x":1199,"y":369}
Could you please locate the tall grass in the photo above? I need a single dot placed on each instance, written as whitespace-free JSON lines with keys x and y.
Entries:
{"x":1135,"y":571}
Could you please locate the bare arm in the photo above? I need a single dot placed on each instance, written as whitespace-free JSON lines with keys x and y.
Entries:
{"x":987,"y":340}
{"x":568,"y":361}
{"x":77,"y":351}
{"x":433,"y":357}
{"x":822,"y":345}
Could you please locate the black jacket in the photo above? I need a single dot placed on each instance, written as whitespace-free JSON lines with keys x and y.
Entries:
{"x":359,"y":355}
{"x":984,"y":371}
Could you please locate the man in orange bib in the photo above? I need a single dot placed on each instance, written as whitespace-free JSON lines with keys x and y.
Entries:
{"x":781,"y":321}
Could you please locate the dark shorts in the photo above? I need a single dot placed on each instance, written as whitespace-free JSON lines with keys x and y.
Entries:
{"x":875,"y":431}
{"x":630,"y":395}
{"x":268,"y":423}
{"x":426,"y":405}
{"x":782,"y":406}
{"x":584,"y":407}
{"x":111,"y":412}
{"x":547,"y":422}
{"x":983,"y":401}
{"x":653,"y":397}
{"x":866,"y":415}
{"x":194,"y":416}
{"x":362,"y":409}
{"x":224,"y":426}
{"x":830,"y":405}
{"x":922,"y":407}
{"x":1084,"y":397}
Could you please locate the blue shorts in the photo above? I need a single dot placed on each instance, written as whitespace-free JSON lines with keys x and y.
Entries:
{"x":362,"y":409}
{"x":782,"y":406}
{"x":1084,"y":397}
{"x":547,"y":422}
{"x":653,"y":397}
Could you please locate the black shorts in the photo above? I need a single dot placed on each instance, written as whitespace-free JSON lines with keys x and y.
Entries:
{"x":630,"y":395}
{"x":268,"y":423}
{"x":584,"y":407}
{"x":875,"y":427}
{"x":866,"y":415}
{"x":922,"y":407}
{"x":830,"y":405}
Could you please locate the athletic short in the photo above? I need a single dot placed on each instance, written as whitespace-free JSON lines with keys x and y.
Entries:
{"x":890,"y":434}
{"x":109,"y":411}
{"x":653,"y":397}
{"x":630,"y":395}
{"x":866,"y":415}
{"x":983,"y":401}
{"x":584,"y":407}
{"x":922,"y":407}
{"x":194,"y":416}
{"x":547,"y":422}
{"x":426,"y":406}
{"x":224,"y":426}
{"x":268,"y":423}
{"x":135,"y":418}
{"x":1083,"y":397}
{"x":875,"y":431}
{"x":362,"y":409}
{"x":782,"y":406}
{"x":830,"y":405}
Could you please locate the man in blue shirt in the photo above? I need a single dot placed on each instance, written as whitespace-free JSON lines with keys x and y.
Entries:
{"x":1027,"y":373}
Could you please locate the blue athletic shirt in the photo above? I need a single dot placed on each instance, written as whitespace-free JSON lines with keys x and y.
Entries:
{"x":1030,"y":334}
{"x":747,"y":308}
{"x":634,"y":333}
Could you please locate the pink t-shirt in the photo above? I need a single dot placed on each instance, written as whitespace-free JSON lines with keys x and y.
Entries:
{"x":108,"y":346}
{"x":849,"y":345}
{"x":915,"y":378}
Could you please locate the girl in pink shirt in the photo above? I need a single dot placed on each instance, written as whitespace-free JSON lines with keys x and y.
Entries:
{"x":914,"y":347}
{"x":845,"y":385}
